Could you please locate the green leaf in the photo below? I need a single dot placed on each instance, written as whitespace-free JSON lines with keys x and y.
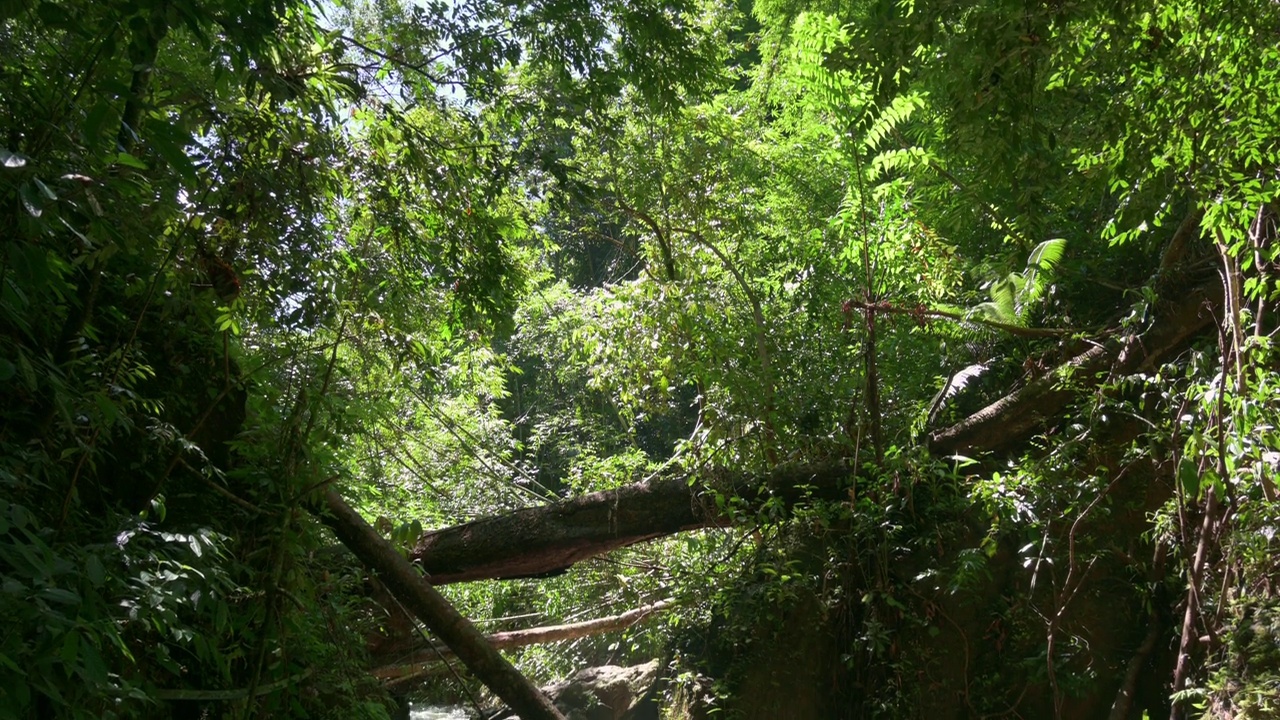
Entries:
{"x":93,"y":668}
{"x":1047,"y":254}
{"x":108,"y":409}
{"x":55,"y":16}
{"x":31,"y":201}
{"x":60,"y":596}
{"x":44,"y":189}
{"x":1189,"y":478}
{"x":94,"y":571}
{"x":221,"y":616}
{"x":10,"y":664}
{"x":170,"y":143}
{"x":95,"y":120}
{"x":70,"y":650}
{"x":128,"y":160}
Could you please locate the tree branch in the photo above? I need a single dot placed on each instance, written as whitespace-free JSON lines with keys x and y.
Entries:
{"x":923,"y":312}
{"x":422,"y":660}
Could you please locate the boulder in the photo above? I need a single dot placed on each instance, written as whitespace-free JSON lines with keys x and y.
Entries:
{"x":607,"y":692}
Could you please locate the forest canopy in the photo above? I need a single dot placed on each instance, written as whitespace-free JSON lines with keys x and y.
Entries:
{"x":867,"y":359}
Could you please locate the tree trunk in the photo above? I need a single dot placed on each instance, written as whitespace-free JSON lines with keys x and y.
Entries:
{"x":436,"y":613}
{"x":543,"y":540}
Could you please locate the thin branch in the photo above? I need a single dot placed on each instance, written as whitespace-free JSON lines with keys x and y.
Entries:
{"x":1072,"y":584}
{"x":757,"y":315}
{"x":621,"y":246}
{"x":328,"y":375}
{"x":664,"y":243}
{"x":419,"y":69}
{"x":222,"y":491}
{"x":921,"y":311}
{"x":414,"y":664}
{"x":413,"y":465}
{"x":869,"y":346}
{"x":471,"y":444}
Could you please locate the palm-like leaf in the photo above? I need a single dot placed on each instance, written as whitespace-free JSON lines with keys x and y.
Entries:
{"x":1013,"y":295}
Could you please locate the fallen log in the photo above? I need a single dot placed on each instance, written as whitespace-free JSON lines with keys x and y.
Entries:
{"x":543,"y":540}
{"x":423,"y":661}
{"x":429,"y":606}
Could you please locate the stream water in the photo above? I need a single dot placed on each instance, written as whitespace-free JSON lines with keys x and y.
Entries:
{"x":438,"y":712}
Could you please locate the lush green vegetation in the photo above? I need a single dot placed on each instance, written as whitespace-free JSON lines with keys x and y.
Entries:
{"x":453,"y":260}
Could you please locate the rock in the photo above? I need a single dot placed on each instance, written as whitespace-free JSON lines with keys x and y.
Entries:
{"x":607,"y":692}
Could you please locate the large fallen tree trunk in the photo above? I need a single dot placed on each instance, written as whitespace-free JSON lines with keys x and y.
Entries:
{"x":429,"y":606}
{"x":546,"y":539}
{"x":550,"y":538}
{"x":424,"y":661}
{"x":1016,"y":415}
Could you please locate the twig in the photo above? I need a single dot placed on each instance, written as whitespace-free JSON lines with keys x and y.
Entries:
{"x":923,"y":312}
{"x":871,"y":297}
{"x":1195,"y":573}
{"x":221,"y":490}
{"x":964,"y":639}
{"x":762,"y":342}
{"x":419,"y":69}
{"x":664,"y":242}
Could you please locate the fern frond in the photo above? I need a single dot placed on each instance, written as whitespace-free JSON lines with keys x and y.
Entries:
{"x":1047,"y":254}
{"x":904,"y":159}
{"x":1003,"y":299}
{"x":989,"y":311}
{"x":817,"y":35}
{"x":1040,"y":266}
{"x":891,"y":117}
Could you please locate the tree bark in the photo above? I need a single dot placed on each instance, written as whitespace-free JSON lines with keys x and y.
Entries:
{"x":1128,"y":687}
{"x":436,"y":613}
{"x":544,"y":540}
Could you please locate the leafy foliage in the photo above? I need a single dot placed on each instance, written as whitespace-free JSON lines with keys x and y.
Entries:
{"x":463,"y":259}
